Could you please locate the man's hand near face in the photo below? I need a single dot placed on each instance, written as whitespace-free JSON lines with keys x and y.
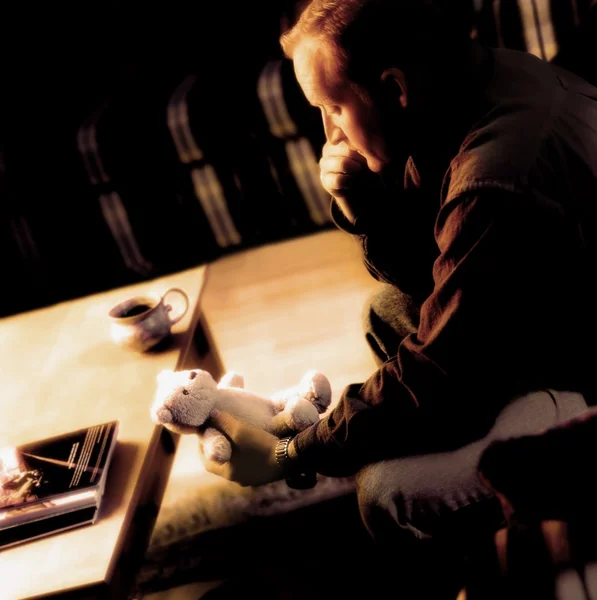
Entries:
{"x":344,"y":174}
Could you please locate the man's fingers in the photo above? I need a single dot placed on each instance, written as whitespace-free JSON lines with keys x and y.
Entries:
{"x":220,"y":469}
{"x":339,"y":164}
{"x":342,"y":149}
{"x":335,"y":183}
{"x":340,"y":168}
{"x":225,"y":423}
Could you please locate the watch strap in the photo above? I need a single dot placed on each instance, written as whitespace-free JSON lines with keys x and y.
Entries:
{"x":296,"y":477}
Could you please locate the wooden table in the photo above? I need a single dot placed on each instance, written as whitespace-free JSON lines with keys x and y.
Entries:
{"x":60,"y":371}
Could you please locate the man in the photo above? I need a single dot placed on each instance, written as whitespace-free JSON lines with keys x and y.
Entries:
{"x":470,"y":176}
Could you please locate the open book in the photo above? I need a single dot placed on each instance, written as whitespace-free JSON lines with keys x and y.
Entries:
{"x":54,"y":484}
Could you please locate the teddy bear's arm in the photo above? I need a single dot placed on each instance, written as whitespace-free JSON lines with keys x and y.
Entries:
{"x":232,"y":379}
{"x":314,"y":387}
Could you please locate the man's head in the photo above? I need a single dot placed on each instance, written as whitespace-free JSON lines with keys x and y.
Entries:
{"x":365,"y":62}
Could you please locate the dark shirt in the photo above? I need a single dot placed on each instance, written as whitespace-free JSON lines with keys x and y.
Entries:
{"x":502,"y":255}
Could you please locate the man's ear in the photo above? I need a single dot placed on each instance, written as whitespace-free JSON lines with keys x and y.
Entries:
{"x":393,"y":82}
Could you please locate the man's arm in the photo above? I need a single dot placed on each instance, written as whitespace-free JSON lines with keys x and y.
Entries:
{"x":499,"y":321}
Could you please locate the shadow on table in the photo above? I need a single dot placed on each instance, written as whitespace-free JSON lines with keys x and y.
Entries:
{"x":108,"y":353}
{"x":125,"y":454}
{"x":174,"y":340}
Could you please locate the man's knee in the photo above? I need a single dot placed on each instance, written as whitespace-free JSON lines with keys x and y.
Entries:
{"x":388,"y":317}
{"x":384,"y":510}
{"x":392,"y":498}
{"x":442,"y":492}
{"x":419,"y":496}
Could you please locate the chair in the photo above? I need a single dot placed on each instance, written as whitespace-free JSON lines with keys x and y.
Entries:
{"x":545,"y":485}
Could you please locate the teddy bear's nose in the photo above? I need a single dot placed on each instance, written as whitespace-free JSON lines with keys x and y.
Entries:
{"x":164,"y":415}
{"x":192,"y":375}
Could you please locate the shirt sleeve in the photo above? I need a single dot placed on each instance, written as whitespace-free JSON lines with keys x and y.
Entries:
{"x":494,"y":325}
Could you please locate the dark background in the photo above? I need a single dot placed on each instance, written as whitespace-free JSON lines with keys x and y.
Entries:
{"x":118,"y":62}
{"x":60,"y":65}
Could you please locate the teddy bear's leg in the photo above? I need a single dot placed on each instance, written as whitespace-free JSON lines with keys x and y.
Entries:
{"x":232,"y":379}
{"x":298,"y":414}
{"x":215,"y":446}
{"x":315,"y":388}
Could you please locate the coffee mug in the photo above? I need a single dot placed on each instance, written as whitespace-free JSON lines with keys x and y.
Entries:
{"x":141,"y":322}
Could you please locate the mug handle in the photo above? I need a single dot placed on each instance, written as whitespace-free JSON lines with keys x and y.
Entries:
{"x":169,"y":308}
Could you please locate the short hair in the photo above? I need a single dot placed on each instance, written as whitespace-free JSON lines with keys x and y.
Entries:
{"x":369,"y":36}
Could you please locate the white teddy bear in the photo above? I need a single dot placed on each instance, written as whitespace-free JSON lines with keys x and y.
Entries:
{"x":184,"y":400}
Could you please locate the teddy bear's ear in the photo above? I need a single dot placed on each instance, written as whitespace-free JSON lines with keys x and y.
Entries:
{"x":232,"y":379}
{"x":169,"y":378}
{"x":164,"y":375}
{"x":168,"y":381}
{"x":199,"y":379}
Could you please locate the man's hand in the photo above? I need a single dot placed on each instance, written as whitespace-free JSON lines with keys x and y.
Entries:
{"x":344,"y":173}
{"x":253,"y":460}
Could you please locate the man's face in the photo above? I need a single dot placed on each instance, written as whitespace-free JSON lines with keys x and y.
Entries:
{"x":347,"y":115}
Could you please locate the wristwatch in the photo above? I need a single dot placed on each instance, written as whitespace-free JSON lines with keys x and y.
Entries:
{"x":296,"y":478}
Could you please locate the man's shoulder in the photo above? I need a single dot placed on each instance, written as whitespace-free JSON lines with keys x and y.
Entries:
{"x":518,"y":109}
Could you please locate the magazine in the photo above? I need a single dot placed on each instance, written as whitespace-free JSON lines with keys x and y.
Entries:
{"x":54,"y":484}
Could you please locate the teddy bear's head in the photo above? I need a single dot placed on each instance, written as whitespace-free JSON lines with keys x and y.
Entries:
{"x":184,"y":399}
